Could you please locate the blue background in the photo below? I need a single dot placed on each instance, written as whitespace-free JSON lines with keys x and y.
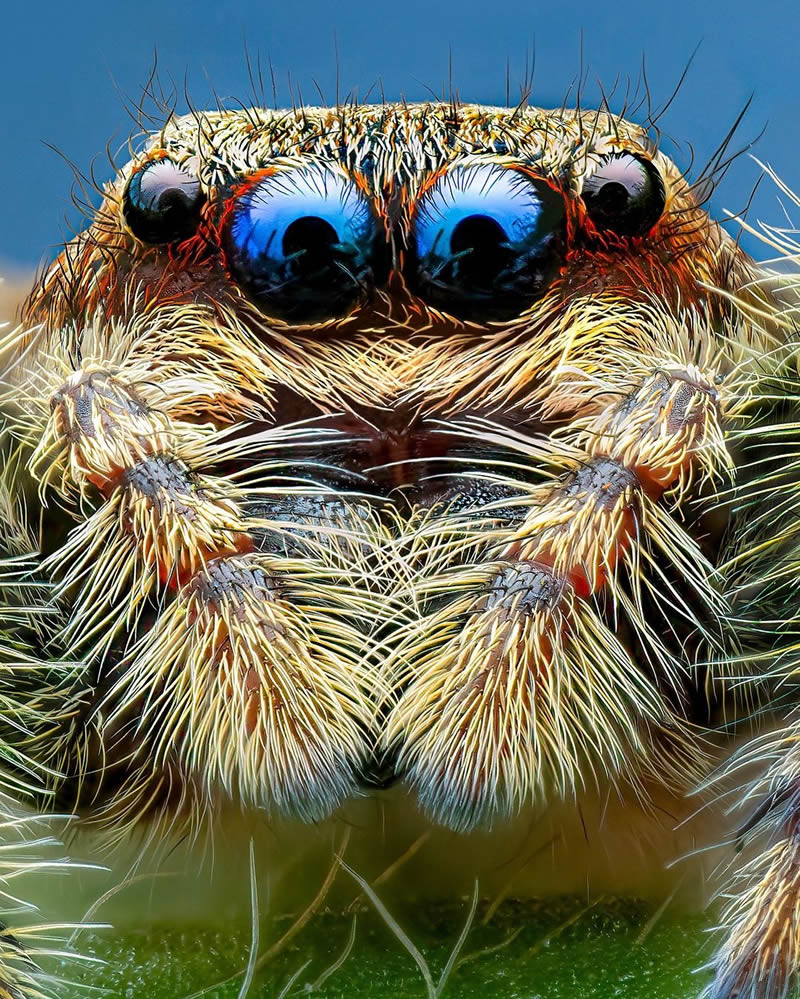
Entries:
{"x":67,"y":69}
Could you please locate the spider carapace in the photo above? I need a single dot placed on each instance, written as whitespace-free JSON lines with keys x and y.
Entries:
{"x":422,"y":454}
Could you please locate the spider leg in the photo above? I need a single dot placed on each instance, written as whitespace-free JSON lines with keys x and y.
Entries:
{"x":760,"y":953}
{"x":33,"y":693}
{"x":222,"y":658}
{"x":512,"y":681}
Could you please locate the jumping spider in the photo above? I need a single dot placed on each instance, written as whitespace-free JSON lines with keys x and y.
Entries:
{"x":447,"y":448}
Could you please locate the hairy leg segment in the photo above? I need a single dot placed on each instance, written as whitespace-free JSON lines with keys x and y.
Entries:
{"x":515,"y":688}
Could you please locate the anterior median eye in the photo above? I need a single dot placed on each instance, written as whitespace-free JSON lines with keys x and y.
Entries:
{"x":486,"y":241}
{"x":162,"y":202}
{"x":625,"y":194}
{"x":304,"y":244}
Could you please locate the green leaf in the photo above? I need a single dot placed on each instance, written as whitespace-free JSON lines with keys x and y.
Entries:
{"x":554,"y":949}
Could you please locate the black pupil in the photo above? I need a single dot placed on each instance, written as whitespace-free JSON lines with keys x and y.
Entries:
{"x":310,"y":239}
{"x":480,"y":243}
{"x":612,"y":197}
{"x":172,"y":199}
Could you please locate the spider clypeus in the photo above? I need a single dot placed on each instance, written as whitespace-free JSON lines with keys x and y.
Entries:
{"x":416,"y":446}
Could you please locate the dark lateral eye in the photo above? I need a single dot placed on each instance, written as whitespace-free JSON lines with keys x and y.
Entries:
{"x":162,"y":203}
{"x":625,"y":194}
{"x":486,"y":241}
{"x":305,"y":244}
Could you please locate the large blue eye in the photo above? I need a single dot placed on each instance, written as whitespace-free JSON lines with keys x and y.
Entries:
{"x":304,"y":244}
{"x":486,"y":241}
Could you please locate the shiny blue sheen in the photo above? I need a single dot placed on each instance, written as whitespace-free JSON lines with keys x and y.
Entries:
{"x":304,"y":243}
{"x":486,"y":241}
{"x":265,"y":212}
{"x":484,"y":190}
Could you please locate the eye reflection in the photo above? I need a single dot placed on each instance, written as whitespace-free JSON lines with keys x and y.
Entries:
{"x":625,"y":195}
{"x":162,"y":203}
{"x":304,"y":244}
{"x":486,"y":241}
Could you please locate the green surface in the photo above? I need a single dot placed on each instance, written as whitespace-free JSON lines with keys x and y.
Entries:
{"x":559,"y":949}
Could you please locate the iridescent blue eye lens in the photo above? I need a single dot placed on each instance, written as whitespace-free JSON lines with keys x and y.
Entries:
{"x":305,"y":244}
{"x":162,"y":203}
{"x":486,"y":241}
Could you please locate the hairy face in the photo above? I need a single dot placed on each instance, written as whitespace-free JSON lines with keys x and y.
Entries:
{"x":394,"y":428}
